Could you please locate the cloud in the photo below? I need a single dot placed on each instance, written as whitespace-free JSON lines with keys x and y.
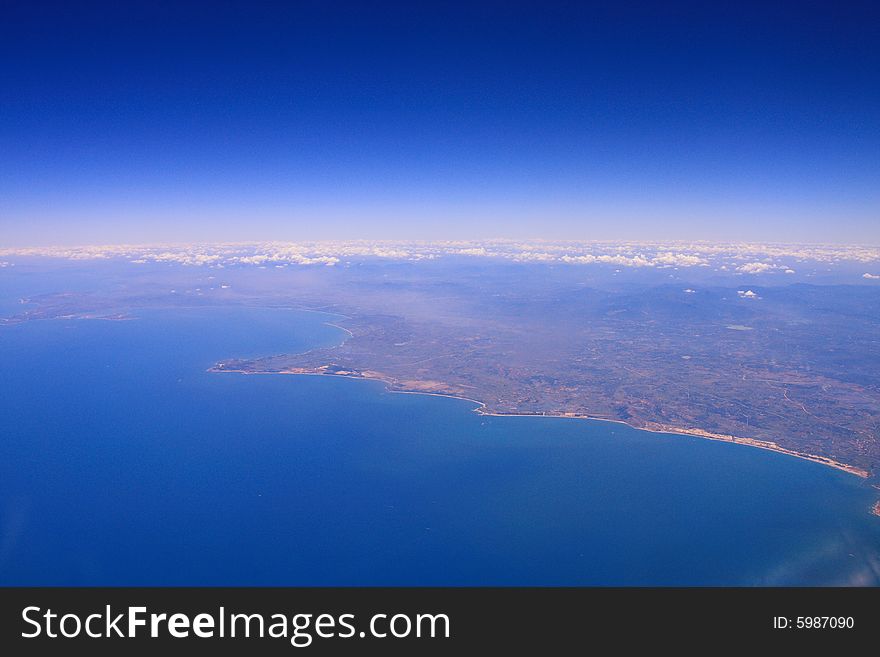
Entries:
{"x":756,"y":268}
{"x":678,"y":259}
{"x":747,"y":294}
{"x":871,"y":276}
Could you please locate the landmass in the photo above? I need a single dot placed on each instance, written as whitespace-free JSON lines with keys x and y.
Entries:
{"x":804,"y":380}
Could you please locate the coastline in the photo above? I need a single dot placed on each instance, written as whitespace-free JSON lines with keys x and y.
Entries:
{"x":707,"y":435}
{"x":392,"y":384}
{"x":341,"y":328}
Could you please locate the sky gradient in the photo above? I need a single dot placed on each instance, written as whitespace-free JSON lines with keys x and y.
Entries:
{"x":186,"y":121}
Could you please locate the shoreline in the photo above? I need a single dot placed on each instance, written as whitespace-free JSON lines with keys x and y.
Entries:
{"x":481,"y":410}
{"x":707,"y":435}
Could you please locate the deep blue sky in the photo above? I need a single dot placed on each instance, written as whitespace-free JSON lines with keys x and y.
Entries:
{"x":231,"y":121}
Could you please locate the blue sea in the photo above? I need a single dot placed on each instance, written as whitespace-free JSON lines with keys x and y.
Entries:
{"x":124,"y":462}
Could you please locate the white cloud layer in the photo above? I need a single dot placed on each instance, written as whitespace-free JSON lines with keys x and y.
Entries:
{"x":744,"y":258}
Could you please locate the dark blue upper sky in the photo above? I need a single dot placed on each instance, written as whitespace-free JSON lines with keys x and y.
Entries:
{"x":220,"y":120}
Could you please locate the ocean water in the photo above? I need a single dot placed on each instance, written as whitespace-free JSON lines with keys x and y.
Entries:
{"x":124,"y":462}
